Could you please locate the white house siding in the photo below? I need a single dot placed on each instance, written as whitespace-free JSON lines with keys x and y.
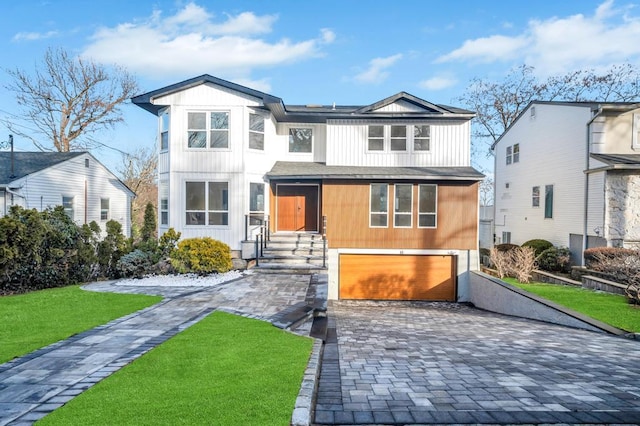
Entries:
{"x":401,"y":106}
{"x":71,"y":178}
{"x":552,"y":152}
{"x":3,"y":204}
{"x":347,"y":146}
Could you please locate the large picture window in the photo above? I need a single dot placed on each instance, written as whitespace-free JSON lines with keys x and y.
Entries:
{"x":300,"y":140}
{"x":403,"y":206}
{"x":427,"y":206}
{"x":208,"y":129}
{"x":256,"y":131}
{"x":379,"y":205}
{"x":207,"y":203}
{"x":548,"y":202}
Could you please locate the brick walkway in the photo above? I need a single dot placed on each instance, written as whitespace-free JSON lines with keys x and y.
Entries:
{"x":404,"y":363}
{"x":34,"y":385}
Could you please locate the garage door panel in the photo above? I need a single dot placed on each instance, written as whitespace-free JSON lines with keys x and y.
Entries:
{"x":397,"y":277}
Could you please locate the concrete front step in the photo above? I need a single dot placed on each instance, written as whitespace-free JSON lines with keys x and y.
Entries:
{"x":293,"y":251}
{"x":283,"y":268}
{"x":291,"y":259}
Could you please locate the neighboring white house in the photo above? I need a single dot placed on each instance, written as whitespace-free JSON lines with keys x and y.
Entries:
{"x":86,"y":189}
{"x":389,"y":179}
{"x":569,"y":173}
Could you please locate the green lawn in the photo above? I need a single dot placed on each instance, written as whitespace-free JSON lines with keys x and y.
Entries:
{"x":611,"y":309}
{"x":33,"y":320}
{"x":224,"y":370}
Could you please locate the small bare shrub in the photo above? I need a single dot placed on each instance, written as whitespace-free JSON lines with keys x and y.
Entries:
{"x":500,"y":260}
{"x":624,"y":268}
{"x":523,"y":262}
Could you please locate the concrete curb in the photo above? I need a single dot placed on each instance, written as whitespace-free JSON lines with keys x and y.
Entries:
{"x":303,"y":408}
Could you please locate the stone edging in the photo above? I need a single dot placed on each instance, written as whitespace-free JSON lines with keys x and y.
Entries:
{"x":303,"y":408}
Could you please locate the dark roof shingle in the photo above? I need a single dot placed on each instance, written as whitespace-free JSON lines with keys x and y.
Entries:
{"x":26,"y":163}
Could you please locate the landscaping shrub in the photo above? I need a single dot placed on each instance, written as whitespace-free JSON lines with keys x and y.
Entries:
{"x":518,"y":262}
{"x":112,"y":247}
{"x":167,"y":242}
{"x":135,"y":264}
{"x":538,"y":245}
{"x":622,"y":266}
{"x":202,"y":256}
{"x":506,"y":247}
{"x":596,"y":254}
{"x":555,"y":259}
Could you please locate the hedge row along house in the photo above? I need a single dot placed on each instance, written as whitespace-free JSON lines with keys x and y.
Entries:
{"x":389,"y":184}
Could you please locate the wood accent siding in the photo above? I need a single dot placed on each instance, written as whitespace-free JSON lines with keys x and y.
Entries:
{"x":346,"y":205}
{"x":397,"y":277}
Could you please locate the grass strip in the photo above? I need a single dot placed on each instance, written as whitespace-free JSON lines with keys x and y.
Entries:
{"x":224,"y":370}
{"x":612,"y":309}
{"x":33,"y":320}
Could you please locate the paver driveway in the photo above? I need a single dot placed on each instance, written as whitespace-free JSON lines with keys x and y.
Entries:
{"x":404,"y":363}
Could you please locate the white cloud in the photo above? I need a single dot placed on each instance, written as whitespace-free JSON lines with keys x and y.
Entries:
{"x":560,"y":44}
{"x":377,"y":71}
{"x":193,"y":42}
{"x":31,"y":36}
{"x":438,"y":83}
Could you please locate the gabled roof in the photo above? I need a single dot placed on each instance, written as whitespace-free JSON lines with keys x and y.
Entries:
{"x":312,"y":113}
{"x":308,"y":170}
{"x":26,"y":163}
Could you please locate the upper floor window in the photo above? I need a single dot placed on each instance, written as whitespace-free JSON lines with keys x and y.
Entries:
{"x":164,"y":131}
{"x":104,"y":209}
{"x":207,"y":203}
{"x":535,"y":196}
{"x":398,"y":138}
{"x":513,"y":153}
{"x":300,"y":140}
{"x":379,"y":205}
{"x":421,"y":138}
{"x":509,"y":155}
{"x":67,"y":205}
{"x":403,"y":206}
{"x":375,"y":141}
{"x":208,"y":129}
{"x":548,"y":202}
{"x":427,"y":205}
{"x":256,"y":131}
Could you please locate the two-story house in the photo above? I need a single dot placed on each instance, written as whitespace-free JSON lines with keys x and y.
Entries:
{"x":569,"y":172}
{"x":389,"y":184}
{"x":86,"y":189}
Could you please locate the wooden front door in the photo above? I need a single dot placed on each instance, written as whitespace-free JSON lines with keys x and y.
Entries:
{"x":297,"y":208}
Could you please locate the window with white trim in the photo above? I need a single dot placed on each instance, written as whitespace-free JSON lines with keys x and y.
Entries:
{"x":375,"y":140}
{"x":164,"y":130}
{"x":301,"y":140}
{"x":208,"y":130}
{"x":506,"y":237}
{"x":379,"y":205}
{"x":207,"y":203}
{"x":164,"y":211}
{"x":548,"y":202}
{"x":398,"y":138}
{"x":256,"y":131}
{"x":427,"y":206}
{"x":509,"y":154}
{"x":104,"y":209}
{"x":256,"y":203}
{"x":67,"y":205}
{"x":535,"y":196}
{"x":516,"y":152}
{"x":421,"y":137}
{"x":403,"y":206}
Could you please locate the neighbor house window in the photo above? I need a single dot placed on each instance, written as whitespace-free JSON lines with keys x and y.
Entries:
{"x":256,"y":131}
{"x":516,"y":152}
{"x":164,"y":131}
{"x":509,"y":154}
{"x":208,"y":129}
{"x":535,"y":196}
{"x":421,"y":138}
{"x":256,"y":203}
{"x":67,"y":205}
{"x":398,"y":138}
{"x":379,"y":205}
{"x":427,"y":205}
{"x":403,"y":206}
{"x":207,"y":203}
{"x":548,"y":201}
{"x":164,"y":211}
{"x":506,"y":237}
{"x":104,"y":209}
{"x":375,"y":140}
{"x":300,"y":140}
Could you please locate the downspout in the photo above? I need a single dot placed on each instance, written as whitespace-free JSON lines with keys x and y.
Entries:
{"x":585,"y":217}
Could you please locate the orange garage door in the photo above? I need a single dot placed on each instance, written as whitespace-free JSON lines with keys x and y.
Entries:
{"x":397,"y":277}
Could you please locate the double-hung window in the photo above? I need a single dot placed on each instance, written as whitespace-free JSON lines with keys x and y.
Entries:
{"x":398,"y":138}
{"x":379,"y":205}
{"x":208,"y":130}
{"x":301,"y":140}
{"x":207,"y":203}
{"x":535,"y":196}
{"x":67,"y":205}
{"x":509,"y":154}
{"x":256,"y":131}
{"x":375,"y":138}
{"x":427,"y":205}
{"x":164,"y":131}
{"x":403,"y":206}
{"x":104,"y":209}
{"x":421,"y":138}
{"x":516,"y":152}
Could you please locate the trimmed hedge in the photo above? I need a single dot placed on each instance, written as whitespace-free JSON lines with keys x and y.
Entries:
{"x":555,"y":259}
{"x":538,"y":245}
{"x":506,"y":247}
{"x":592,"y":255}
{"x":202,"y":256}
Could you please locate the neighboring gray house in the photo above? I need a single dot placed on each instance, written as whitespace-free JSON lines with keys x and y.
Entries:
{"x":569,"y":172}
{"x":76,"y":180}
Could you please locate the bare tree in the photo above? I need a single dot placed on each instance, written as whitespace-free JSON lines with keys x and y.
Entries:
{"x":67,"y":99}
{"x":498,"y":103}
{"x":486,"y":192}
{"x":138,"y":172}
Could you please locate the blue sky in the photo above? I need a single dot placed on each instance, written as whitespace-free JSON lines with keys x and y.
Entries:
{"x":316,"y":52}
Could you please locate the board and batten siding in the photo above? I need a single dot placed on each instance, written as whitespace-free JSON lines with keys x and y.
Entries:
{"x":71,"y":178}
{"x":552,"y":152}
{"x":346,"y":206}
{"x":347,"y":142}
